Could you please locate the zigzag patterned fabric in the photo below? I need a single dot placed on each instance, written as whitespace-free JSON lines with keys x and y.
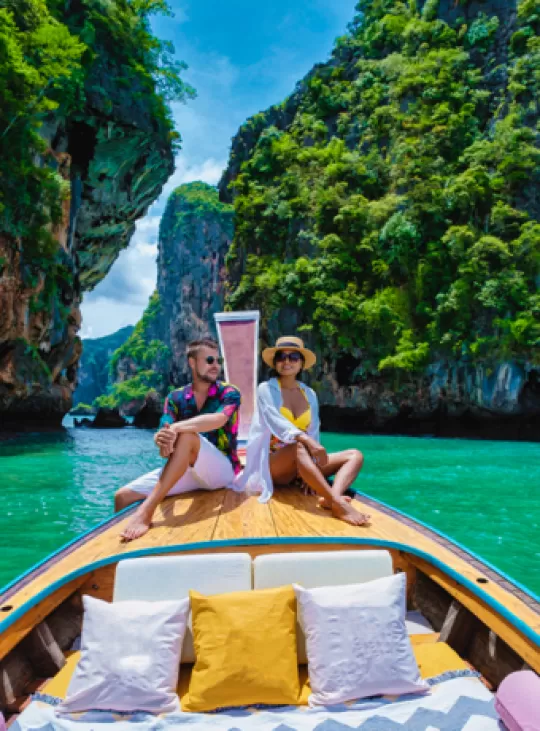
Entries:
{"x":457,"y":701}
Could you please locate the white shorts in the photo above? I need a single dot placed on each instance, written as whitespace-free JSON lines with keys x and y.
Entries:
{"x":211,"y":471}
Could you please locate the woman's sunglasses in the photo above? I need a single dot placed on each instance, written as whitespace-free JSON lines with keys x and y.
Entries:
{"x":211,"y":358}
{"x":281,"y":357}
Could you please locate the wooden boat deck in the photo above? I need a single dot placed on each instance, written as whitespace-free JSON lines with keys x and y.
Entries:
{"x":224,"y":515}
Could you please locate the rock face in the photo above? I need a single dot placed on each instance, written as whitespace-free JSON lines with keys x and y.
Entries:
{"x":39,"y":348}
{"x":450,"y":399}
{"x":114,"y":154}
{"x":194,"y":238}
{"x":150,"y":415}
{"x":108,"y":419}
{"x":346,"y":200}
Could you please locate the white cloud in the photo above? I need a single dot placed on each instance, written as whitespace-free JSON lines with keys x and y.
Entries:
{"x":209,"y":171}
{"x":101,"y":318}
{"x":120,"y":299}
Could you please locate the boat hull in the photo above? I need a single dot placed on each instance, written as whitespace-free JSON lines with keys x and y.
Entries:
{"x":490,"y":621}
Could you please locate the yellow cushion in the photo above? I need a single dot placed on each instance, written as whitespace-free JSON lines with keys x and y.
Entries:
{"x":245,"y":649}
{"x":437,"y":658}
{"x":432,"y":658}
{"x":58,"y":685}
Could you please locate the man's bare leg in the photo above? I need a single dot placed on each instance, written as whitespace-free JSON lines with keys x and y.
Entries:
{"x":124,"y":497}
{"x":185,"y":454}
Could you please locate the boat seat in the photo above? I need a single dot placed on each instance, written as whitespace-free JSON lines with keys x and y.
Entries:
{"x":328,"y":568}
{"x":433,"y":659}
{"x":321,"y":568}
{"x":161,"y":578}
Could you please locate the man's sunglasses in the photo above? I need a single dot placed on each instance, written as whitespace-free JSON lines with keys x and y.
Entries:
{"x":211,"y":358}
{"x":294,"y":357}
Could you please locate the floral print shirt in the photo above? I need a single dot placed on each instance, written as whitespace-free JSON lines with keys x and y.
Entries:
{"x":222,"y":398}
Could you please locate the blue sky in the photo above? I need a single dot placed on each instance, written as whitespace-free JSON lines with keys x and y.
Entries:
{"x":243,"y":57}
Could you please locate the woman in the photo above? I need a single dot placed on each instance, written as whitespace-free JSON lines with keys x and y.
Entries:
{"x":284,"y":437}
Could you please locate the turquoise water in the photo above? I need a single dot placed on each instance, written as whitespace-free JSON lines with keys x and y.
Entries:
{"x":485,"y":495}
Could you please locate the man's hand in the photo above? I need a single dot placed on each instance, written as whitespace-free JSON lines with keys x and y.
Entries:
{"x":165,"y":439}
{"x":316,"y":450}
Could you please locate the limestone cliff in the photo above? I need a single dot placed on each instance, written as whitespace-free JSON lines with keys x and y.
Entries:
{"x":83,"y":156}
{"x":388,"y":211}
{"x":194,"y":238}
{"x":94,"y":375}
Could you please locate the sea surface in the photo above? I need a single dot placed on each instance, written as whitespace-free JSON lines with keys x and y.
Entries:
{"x":485,"y":495}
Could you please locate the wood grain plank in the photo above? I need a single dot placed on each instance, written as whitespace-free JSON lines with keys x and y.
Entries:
{"x":526,"y":649}
{"x":25,"y":624}
{"x":243,"y":516}
{"x":225,"y":515}
{"x":186,"y":519}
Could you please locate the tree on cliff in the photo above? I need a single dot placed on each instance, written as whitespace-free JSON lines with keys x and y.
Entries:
{"x":87,"y":141}
{"x":48,"y":51}
{"x":393,"y":198}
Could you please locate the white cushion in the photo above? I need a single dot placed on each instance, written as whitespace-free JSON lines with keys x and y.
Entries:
{"x":356,"y":640}
{"x":320,"y":568}
{"x":130,"y":657}
{"x":160,"y":578}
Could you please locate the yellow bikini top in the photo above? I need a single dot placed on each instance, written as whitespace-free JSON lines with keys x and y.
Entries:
{"x":301,"y":422}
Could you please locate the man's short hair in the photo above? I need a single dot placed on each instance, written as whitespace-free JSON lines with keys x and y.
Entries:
{"x":194,"y":346}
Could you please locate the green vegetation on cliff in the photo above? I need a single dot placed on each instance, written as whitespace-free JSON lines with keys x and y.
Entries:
{"x":140,"y":364}
{"x":49,"y":53}
{"x":187,"y":242}
{"x":191,"y":203}
{"x":94,"y":367}
{"x":86,"y":143}
{"x":394,"y":197}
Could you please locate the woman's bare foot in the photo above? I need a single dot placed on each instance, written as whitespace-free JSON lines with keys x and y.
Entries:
{"x":343,"y":510}
{"x":323,"y":502}
{"x":137,"y":526}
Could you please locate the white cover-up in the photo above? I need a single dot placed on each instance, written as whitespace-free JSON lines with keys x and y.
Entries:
{"x":268,"y":420}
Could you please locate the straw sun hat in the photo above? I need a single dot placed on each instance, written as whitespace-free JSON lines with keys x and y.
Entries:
{"x":288,"y":342}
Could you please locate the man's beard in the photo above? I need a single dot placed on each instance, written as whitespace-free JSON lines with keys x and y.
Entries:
{"x":206,"y":378}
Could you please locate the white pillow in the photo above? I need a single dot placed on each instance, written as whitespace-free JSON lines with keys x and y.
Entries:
{"x":356,"y":640}
{"x":130,"y":657}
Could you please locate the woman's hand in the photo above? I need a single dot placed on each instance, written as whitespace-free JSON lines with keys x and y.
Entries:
{"x":316,"y":450}
{"x":165,"y":439}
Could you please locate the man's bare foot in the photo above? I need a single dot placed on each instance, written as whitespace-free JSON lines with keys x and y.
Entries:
{"x":326,"y":505}
{"x":137,"y":527}
{"x":343,"y":510}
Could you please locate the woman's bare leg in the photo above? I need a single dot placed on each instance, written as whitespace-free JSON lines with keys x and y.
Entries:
{"x":283,"y":467}
{"x":345,"y":466}
{"x":293,"y":460}
{"x":186,"y":451}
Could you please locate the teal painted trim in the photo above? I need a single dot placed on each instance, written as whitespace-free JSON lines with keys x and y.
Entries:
{"x":508,"y":578}
{"x":58,"y":551}
{"x":518,"y":623}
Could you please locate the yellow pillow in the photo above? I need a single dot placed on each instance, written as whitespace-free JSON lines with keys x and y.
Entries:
{"x":437,"y":658}
{"x":245,"y":649}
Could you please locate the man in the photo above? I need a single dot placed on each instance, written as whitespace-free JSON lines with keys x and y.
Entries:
{"x":198,"y":435}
